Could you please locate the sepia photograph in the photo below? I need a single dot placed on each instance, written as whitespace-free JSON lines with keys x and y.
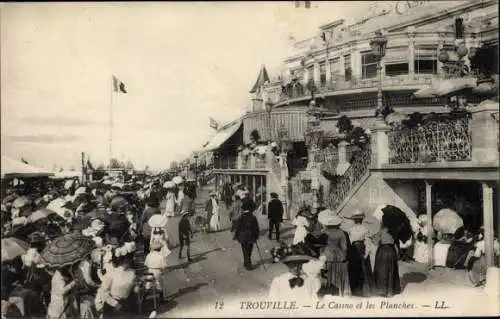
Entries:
{"x":237,"y":159}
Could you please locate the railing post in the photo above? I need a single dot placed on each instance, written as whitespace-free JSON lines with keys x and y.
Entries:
{"x":343,"y":160}
{"x":252,"y":162}
{"x":380,"y":144}
{"x":239,"y":163}
{"x":484,"y":130}
{"x":269,"y":158}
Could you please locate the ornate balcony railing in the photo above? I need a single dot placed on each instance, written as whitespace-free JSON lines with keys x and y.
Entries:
{"x":446,"y":140}
{"x":329,"y":159}
{"x":358,"y":169}
{"x":225,"y":163}
{"x":340,"y":84}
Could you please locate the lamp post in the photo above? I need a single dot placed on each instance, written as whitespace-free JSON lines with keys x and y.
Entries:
{"x":378,"y":46}
{"x":269,"y":108}
{"x":196,"y":169}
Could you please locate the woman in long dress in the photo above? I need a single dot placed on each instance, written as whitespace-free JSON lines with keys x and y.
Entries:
{"x":336,"y":257}
{"x":301,"y":224}
{"x":360,"y":272}
{"x":421,"y":252}
{"x":170,"y":203}
{"x":62,"y":304}
{"x":386,"y":271}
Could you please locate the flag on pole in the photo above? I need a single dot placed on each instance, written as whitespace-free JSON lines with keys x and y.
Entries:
{"x":89,"y":165}
{"x":213,"y":123}
{"x":24,"y":161}
{"x":118,"y":86}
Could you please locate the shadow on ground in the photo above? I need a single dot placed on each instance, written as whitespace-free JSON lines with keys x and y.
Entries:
{"x":171,"y":303}
{"x":412,"y":277}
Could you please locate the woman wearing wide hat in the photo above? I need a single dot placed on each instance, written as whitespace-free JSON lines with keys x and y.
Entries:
{"x":336,"y":254}
{"x":297,"y":284}
{"x":360,"y":272}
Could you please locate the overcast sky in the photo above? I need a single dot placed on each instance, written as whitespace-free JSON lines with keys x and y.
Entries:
{"x":181,"y":63}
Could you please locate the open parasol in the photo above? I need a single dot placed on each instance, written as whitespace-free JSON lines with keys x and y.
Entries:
{"x":67,"y":249}
{"x":178,"y":180}
{"x":396,"y":221}
{"x":21,"y":202}
{"x":447,"y":221}
{"x":12,"y":247}
{"x":40,"y":214}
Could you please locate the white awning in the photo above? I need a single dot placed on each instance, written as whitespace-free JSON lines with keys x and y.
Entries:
{"x":12,"y":168}
{"x":453,"y":85}
{"x":222,"y":136}
{"x":427,"y":92}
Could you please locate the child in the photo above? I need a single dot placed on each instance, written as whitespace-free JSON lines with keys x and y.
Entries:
{"x":156,"y":262}
{"x":185,"y":235}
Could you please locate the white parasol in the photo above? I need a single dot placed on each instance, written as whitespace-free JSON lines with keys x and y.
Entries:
{"x":447,"y":221}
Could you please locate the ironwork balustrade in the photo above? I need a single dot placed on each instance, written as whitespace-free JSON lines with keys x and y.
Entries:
{"x":446,"y":140}
{"x":329,"y":159}
{"x":343,"y":184}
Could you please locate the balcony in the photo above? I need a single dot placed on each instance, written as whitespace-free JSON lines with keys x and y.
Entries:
{"x":444,"y":140}
{"x":225,"y":163}
{"x":340,"y":86}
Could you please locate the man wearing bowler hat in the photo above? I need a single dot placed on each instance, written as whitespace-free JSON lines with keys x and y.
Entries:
{"x":275,"y":215}
{"x":247,"y":233}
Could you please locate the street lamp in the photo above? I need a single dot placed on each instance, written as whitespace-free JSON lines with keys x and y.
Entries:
{"x":196,"y":169}
{"x":378,"y":46}
{"x":269,"y":107}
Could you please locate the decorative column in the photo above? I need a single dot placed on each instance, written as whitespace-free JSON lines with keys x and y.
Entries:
{"x":284,"y":183}
{"x":341,"y":63}
{"x":313,"y":138}
{"x":488,"y":224}
{"x":428,"y":209}
{"x":410,"y":31}
{"x":328,"y":70}
{"x":343,"y":162}
{"x":380,"y":144}
{"x":316,"y":76}
{"x":239,"y":163}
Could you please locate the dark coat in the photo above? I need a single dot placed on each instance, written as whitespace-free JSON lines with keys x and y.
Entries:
{"x":146,"y":215}
{"x":275,"y":210}
{"x":247,"y":230}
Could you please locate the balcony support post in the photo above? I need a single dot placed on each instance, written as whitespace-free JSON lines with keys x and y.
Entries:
{"x":411,"y":52}
{"x":428,"y":207}
{"x":488,"y":224}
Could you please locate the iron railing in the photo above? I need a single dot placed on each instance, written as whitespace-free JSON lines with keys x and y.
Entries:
{"x":445,"y":140}
{"x":354,"y":174}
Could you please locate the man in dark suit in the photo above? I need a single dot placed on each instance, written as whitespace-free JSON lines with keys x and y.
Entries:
{"x":247,"y":233}
{"x":275,"y":215}
{"x":152,"y":208}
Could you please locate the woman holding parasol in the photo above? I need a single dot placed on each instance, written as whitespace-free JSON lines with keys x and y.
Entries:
{"x":59,"y":256}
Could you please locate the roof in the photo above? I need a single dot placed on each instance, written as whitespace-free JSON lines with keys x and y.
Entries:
{"x":12,"y":168}
{"x":261,"y":79}
{"x":222,"y":136}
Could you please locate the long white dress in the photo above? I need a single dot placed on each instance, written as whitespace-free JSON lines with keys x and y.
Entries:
{"x":215,"y":219}
{"x":421,"y":252}
{"x":170,"y":204}
{"x":301,"y":231}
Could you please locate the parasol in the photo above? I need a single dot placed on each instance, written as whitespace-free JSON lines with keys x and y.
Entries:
{"x":447,"y":221}
{"x":178,"y":180}
{"x":13,"y":247}
{"x":397,"y":223}
{"x":21,"y":202}
{"x":40,"y":214}
{"x":169,"y":184}
{"x":325,"y":216}
{"x":157,"y":220}
{"x":67,"y":250}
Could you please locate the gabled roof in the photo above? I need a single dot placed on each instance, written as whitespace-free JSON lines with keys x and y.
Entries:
{"x":261,"y":79}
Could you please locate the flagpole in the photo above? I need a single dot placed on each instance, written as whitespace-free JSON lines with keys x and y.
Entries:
{"x":111,"y":123}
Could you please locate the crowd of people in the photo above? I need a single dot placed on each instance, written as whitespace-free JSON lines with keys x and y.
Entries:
{"x":73,"y":249}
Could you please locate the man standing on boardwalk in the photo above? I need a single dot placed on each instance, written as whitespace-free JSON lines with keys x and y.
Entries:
{"x":247,"y":233}
{"x":275,"y":215}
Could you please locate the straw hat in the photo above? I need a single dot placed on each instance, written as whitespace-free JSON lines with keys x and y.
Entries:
{"x":357,"y":215}
{"x":184,"y":213}
{"x":157,"y":221}
{"x":296,"y":259}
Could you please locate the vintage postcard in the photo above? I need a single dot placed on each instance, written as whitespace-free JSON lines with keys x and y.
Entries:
{"x":250,"y":159}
